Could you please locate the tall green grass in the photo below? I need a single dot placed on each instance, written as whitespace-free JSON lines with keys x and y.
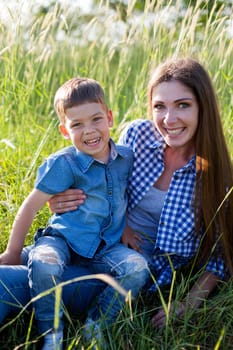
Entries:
{"x":33,"y":63}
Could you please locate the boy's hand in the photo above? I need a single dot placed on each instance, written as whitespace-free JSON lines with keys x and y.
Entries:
{"x":7,"y":258}
{"x":131,"y":239}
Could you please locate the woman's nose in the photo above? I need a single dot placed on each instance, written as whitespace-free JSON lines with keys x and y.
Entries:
{"x":170,"y":116}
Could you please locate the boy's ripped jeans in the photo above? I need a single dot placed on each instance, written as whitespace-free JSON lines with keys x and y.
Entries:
{"x":51,"y":256}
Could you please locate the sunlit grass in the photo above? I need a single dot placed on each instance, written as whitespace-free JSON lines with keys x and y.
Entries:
{"x":32,"y":66}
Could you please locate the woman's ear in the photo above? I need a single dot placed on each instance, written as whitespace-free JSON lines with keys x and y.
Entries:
{"x":64,"y":131}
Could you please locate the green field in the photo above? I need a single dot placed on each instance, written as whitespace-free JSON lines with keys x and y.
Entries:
{"x":35,"y":59}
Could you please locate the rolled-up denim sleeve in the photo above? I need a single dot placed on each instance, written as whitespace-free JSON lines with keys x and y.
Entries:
{"x":217,"y":267}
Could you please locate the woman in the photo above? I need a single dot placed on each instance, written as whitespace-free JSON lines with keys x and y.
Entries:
{"x":180,"y":193}
{"x":182,"y":173}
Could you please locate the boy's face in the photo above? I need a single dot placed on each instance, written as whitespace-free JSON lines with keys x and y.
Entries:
{"x":87,"y":126}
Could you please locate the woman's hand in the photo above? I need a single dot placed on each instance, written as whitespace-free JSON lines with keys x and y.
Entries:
{"x":131,"y":239}
{"x":199,"y":292}
{"x":160,"y":319}
{"x":66,"y":201}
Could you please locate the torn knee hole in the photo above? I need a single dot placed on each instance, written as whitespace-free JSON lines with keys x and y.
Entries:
{"x":47,"y":256}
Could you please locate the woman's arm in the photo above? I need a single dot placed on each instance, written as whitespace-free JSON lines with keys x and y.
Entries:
{"x":68,"y":200}
{"x":200,"y":291}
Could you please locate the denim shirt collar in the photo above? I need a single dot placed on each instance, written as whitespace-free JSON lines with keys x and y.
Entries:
{"x":85,"y":161}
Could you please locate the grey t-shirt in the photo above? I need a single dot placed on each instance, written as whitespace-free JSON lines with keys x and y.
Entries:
{"x":144,"y":219}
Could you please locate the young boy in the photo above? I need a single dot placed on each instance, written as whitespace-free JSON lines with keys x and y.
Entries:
{"x":91,"y":234}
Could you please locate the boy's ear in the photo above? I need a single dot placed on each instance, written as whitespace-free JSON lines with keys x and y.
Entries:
{"x":110,"y":118}
{"x":64,"y":131}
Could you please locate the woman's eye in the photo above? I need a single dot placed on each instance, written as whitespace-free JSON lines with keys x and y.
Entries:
{"x":183,"y":105}
{"x":158,"y":106}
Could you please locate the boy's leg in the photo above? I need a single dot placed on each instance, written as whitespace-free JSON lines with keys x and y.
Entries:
{"x":46,"y":264}
{"x":15,"y":293}
{"x":131,"y":271}
{"x":78,"y":296}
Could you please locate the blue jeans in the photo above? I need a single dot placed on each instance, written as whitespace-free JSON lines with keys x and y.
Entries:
{"x":48,"y":260}
{"x":128,"y":268}
{"x":15,"y":292}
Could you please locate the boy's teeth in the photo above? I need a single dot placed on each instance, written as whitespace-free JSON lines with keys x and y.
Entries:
{"x":92,"y":141}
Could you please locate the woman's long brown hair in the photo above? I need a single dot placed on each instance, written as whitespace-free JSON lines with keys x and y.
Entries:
{"x":214,"y":172}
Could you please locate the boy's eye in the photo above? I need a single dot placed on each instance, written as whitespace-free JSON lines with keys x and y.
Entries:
{"x":96,"y":119}
{"x":76,"y":125}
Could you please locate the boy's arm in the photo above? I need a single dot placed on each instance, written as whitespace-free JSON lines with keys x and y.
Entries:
{"x":23,"y":220}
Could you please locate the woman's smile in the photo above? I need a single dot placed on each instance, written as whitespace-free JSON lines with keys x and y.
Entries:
{"x":175,"y":131}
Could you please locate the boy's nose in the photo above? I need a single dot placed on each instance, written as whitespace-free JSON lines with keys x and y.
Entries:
{"x":88,"y":129}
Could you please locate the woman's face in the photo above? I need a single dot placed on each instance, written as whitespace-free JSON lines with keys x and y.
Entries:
{"x":175,"y":114}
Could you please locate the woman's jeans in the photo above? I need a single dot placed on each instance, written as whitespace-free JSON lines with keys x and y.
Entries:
{"x":48,"y":266}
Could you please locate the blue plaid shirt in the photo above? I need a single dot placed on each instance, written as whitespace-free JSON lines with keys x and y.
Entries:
{"x":176,"y":237}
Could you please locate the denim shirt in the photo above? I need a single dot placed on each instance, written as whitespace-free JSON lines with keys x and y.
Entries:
{"x":176,"y":234}
{"x":101,"y":219}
